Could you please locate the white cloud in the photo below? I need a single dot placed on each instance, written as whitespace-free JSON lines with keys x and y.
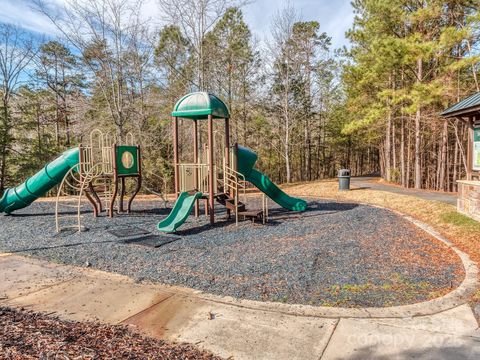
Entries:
{"x":21,"y":13}
{"x":335,"y":17}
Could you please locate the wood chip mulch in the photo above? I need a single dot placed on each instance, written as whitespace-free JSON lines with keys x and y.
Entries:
{"x":28,"y":335}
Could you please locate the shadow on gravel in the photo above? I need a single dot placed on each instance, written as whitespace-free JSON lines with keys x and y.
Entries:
{"x":20,"y":215}
{"x":156,"y":211}
{"x":331,"y":206}
{"x":62,"y":246}
{"x":133,"y":213}
{"x":202,"y":228}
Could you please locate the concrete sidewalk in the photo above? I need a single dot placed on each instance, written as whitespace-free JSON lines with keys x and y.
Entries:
{"x":371,"y":182}
{"x":230,"y":329}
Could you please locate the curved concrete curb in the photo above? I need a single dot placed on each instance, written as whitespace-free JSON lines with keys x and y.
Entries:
{"x":453,"y":299}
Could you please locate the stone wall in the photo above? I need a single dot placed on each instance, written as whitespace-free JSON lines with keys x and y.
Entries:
{"x":468,"y":202}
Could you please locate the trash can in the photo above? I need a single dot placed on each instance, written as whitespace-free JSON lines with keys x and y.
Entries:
{"x":343,"y":179}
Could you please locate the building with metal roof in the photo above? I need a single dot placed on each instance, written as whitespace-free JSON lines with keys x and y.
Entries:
{"x":468,"y":110}
{"x":469,"y":106}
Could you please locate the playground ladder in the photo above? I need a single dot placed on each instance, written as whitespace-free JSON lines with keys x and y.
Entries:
{"x":105,"y":183}
{"x":69,"y":196}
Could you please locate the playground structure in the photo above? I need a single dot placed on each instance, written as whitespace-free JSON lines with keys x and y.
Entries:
{"x":97,"y":171}
{"x":219,"y":173}
{"x":100,"y":176}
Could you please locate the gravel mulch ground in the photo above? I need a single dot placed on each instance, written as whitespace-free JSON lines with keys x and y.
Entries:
{"x":28,"y":335}
{"x":334,"y":254}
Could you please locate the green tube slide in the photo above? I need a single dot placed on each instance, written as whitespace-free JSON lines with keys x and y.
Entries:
{"x":246,"y":161}
{"x":179,"y":213}
{"x":39,"y":184}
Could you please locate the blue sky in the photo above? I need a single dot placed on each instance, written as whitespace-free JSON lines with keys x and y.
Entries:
{"x":335,"y":16}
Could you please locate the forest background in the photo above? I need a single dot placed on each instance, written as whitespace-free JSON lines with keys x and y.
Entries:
{"x":307,"y":109}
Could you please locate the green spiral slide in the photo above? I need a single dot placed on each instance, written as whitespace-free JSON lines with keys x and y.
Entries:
{"x":39,"y":184}
{"x":246,"y":161}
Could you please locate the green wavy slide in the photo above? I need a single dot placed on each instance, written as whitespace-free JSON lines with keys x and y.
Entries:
{"x":246,"y":161}
{"x":179,"y":213}
{"x":39,"y":184}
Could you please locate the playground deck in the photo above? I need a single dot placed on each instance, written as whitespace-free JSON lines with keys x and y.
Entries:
{"x":334,"y":254}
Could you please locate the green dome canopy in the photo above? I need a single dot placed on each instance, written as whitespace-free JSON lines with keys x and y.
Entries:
{"x":199,"y":105}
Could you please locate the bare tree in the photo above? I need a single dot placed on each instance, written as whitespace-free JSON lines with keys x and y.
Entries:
{"x":16,"y":53}
{"x":196,"y":18}
{"x":282,"y":55}
{"x":113,"y":41}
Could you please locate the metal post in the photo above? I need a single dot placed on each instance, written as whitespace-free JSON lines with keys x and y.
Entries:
{"x":115,"y":183}
{"x":211,"y":162}
{"x":195,"y":161}
{"x":235,"y":165}
{"x":175,"y":154}
{"x":227,"y":141}
{"x":236,"y":203}
{"x":227,"y":165}
{"x":139,"y":180}
{"x":470,"y":149}
{"x":122,"y":195}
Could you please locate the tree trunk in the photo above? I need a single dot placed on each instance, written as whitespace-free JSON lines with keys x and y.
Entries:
{"x":388,"y":147}
{"x":455,"y":161}
{"x":394,"y":153}
{"x":409,"y":156}
{"x":4,"y":144}
{"x":443,"y":157}
{"x":418,"y":115}
{"x":402,"y":152}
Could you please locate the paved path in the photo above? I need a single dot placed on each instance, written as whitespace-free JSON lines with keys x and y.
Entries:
{"x":228,"y":329}
{"x":373,"y":183}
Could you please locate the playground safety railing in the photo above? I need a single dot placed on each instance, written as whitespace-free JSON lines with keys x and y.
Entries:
{"x":187,"y":177}
{"x":233,"y":183}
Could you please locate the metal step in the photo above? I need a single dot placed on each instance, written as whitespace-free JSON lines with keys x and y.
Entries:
{"x":229,"y":203}
{"x":252,"y":214}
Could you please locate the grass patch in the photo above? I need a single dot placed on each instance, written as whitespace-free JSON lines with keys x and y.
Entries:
{"x":476,"y":297}
{"x":398,"y":291}
{"x":458,"y":219}
{"x":356,"y":288}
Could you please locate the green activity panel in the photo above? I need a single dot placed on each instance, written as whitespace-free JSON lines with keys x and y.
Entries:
{"x":127,"y":160}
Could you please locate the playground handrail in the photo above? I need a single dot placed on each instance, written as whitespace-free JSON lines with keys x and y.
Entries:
{"x":231,"y":182}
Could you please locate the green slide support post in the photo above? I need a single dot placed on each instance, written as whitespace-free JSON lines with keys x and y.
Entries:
{"x":181,"y":210}
{"x":246,"y":161}
{"x":39,"y":184}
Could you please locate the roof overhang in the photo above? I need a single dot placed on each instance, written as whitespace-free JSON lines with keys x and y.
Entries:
{"x":467,"y":108}
{"x":466,"y":113}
